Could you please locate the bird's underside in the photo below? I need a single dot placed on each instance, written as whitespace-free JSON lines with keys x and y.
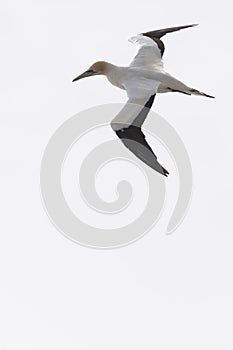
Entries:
{"x":149,"y":57}
{"x":142,"y":80}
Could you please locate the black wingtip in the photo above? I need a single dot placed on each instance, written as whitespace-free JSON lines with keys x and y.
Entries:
{"x":209,"y":96}
{"x":161,"y":32}
{"x":165,"y":172}
{"x":161,"y":169}
{"x":187,"y":26}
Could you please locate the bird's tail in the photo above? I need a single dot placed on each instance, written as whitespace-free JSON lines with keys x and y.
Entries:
{"x":170,"y":83}
{"x":199,"y":93}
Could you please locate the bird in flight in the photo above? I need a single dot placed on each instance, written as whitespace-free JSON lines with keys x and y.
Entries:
{"x":142,"y":80}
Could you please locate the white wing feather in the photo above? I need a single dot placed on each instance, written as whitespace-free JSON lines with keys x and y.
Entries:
{"x":139,"y":90}
{"x":149,"y":55}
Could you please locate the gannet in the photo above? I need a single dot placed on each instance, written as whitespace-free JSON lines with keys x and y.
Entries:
{"x":142,"y":79}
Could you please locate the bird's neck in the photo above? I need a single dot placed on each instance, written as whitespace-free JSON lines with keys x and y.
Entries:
{"x":110,"y":69}
{"x":115,"y":75}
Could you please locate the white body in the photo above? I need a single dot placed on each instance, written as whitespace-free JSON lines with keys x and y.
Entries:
{"x":142,"y":79}
{"x":145,"y":75}
{"x":142,"y":82}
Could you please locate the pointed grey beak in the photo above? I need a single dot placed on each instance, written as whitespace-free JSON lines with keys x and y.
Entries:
{"x":86,"y":74}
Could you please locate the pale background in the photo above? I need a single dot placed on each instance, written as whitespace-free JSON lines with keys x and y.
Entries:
{"x":162,"y":292}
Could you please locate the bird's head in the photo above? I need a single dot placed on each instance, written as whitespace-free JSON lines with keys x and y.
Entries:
{"x":98,"y":68}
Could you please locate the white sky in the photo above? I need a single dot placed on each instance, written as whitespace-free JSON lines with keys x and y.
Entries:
{"x":162,"y":292}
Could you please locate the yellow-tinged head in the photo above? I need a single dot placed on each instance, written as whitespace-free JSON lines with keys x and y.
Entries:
{"x":100,"y":67}
{"x":97,"y":68}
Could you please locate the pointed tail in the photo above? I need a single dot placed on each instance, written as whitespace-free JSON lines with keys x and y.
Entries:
{"x":199,"y":93}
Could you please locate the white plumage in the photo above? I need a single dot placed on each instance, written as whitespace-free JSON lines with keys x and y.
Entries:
{"x":148,"y":56}
{"x":142,"y":79}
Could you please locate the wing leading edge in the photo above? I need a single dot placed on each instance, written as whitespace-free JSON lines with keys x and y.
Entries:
{"x":152,"y":48}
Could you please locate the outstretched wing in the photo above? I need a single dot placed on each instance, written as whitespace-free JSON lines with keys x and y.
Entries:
{"x":149,"y":54}
{"x":127,"y":126}
{"x":152,"y":48}
{"x":134,"y":139}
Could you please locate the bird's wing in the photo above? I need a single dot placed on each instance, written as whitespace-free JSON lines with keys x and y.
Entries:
{"x":148,"y":55}
{"x":127,"y":126}
{"x":140,"y":89}
{"x":152,"y":48}
{"x":140,"y":92}
{"x":134,"y":139}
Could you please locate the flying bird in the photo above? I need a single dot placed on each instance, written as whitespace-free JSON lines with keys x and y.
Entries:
{"x":142,"y":79}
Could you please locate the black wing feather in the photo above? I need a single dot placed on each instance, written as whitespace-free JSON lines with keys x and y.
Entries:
{"x":134,"y":139}
{"x":157,"y":34}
